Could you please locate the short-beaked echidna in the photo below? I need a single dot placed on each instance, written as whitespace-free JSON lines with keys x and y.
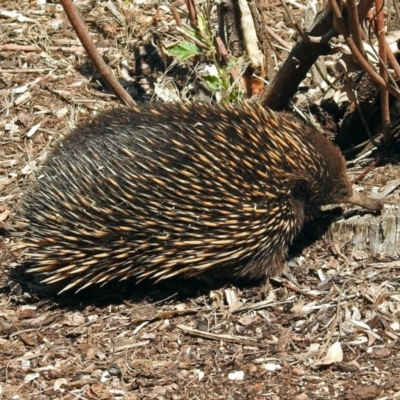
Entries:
{"x":165,"y":190}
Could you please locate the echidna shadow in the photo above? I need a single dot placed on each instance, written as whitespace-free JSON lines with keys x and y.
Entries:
{"x":164,"y":191}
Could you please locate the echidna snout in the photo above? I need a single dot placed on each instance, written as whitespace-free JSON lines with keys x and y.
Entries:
{"x":165,"y":190}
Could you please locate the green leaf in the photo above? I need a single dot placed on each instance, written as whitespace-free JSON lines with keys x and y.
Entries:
{"x":213,"y":82}
{"x":192,"y":32}
{"x":184,"y":50}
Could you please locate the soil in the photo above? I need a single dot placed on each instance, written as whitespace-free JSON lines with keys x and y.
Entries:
{"x":327,"y":329}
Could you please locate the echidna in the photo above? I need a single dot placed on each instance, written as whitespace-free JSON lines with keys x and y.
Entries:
{"x":165,"y":190}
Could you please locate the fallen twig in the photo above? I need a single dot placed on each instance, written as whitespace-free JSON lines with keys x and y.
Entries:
{"x":244,"y":340}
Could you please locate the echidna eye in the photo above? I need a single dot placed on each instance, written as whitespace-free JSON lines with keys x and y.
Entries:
{"x":343,"y":191}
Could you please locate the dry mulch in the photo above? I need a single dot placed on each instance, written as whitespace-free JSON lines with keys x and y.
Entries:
{"x":327,"y":329}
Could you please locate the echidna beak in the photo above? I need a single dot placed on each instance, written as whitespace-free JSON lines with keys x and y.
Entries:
{"x":365,"y":202}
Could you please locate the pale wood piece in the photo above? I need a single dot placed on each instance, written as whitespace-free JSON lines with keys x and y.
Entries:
{"x":378,"y":234}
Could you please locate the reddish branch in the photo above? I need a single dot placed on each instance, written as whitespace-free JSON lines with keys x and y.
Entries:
{"x":83,"y":35}
{"x":355,"y":28}
{"x":190,"y":5}
{"x":380,"y":34}
{"x":341,"y":27}
{"x":176,"y":16}
{"x":305,"y":53}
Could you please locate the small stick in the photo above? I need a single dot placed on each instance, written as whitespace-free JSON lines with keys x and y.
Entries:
{"x":366,"y":171}
{"x":192,"y":13}
{"x":277,"y":38}
{"x":221,"y":49}
{"x":37,"y":49}
{"x":176,"y":16}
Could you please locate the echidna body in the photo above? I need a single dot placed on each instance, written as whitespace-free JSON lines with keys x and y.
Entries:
{"x":166,"y":190}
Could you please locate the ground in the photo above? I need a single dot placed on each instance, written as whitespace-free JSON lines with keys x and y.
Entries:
{"x":327,"y":329}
